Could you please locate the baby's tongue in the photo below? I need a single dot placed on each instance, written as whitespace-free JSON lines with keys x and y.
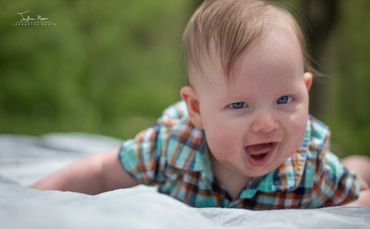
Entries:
{"x":258,"y":148}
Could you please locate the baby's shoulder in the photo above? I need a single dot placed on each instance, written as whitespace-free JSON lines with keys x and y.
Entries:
{"x":316,"y":141}
{"x":176,"y":111}
{"x":177,"y":131}
{"x":317,"y":133}
{"x":175,"y":120}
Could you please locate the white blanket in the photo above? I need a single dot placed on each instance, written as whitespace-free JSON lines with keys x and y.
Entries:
{"x":25,"y":159}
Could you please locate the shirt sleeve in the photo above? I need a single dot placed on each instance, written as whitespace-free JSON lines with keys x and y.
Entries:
{"x":145,"y":156}
{"x":141,"y":156}
{"x":333,"y":183}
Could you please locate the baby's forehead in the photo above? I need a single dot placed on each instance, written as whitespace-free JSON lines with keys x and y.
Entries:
{"x":275,"y":24}
{"x":275,"y":41}
{"x":212,"y":39}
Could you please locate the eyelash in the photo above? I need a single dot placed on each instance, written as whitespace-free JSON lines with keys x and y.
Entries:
{"x":238,"y":105}
{"x":243,"y":105}
{"x":290,"y":98}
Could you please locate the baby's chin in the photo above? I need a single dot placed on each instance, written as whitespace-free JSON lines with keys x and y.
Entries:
{"x":256,"y":174}
{"x":272,"y":166}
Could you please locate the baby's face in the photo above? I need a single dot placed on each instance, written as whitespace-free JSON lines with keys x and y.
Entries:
{"x":254,"y":122}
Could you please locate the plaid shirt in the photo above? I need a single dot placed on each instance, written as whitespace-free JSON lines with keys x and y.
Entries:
{"x":174,"y":155}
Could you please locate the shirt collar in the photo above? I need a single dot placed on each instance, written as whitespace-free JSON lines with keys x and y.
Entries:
{"x":288,"y":176}
{"x":188,"y":149}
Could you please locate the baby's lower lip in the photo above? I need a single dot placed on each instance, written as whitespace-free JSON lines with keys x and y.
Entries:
{"x":259,"y":154}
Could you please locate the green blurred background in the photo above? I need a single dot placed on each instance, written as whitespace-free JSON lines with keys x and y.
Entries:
{"x":111,"y":67}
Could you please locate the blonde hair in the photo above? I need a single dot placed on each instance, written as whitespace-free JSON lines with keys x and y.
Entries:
{"x":230,"y":26}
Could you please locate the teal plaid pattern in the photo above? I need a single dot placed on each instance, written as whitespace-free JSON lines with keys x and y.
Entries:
{"x":173,"y":155}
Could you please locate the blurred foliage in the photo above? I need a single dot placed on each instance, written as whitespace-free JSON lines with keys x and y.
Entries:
{"x":111,"y":67}
{"x":107,"y":67}
{"x":348,"y":112}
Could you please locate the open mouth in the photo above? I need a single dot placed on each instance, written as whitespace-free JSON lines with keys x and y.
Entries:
{"x":258,"y":154}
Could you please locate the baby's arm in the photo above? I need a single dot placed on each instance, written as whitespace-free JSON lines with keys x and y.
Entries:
{"x":361,"y":166}
{"x":93,"y":175}
{"x":362,"y":201}
{"x":104,"y":172}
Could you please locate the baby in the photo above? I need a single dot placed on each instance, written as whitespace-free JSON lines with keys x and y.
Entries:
{"x":241,"y":137}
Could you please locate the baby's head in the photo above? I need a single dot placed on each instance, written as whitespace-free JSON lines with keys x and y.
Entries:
{"x":249,"y":80}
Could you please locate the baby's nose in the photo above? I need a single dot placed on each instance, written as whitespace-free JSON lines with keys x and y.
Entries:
{"x":264,"y":122}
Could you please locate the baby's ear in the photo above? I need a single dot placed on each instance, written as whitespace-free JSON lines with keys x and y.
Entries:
{"x":190,"y":97}
{"x":308,"y":78}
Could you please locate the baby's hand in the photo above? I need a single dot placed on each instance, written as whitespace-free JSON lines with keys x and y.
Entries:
{"x":362,"y":201}
{"x":364,"y":185}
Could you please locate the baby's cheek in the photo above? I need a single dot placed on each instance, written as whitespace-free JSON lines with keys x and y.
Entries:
{"x":221,"y":144}
{"x":298,"y":131}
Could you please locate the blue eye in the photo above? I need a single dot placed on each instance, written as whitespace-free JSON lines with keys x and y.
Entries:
{"x":238,"y":105}
{"x":284,"y":99}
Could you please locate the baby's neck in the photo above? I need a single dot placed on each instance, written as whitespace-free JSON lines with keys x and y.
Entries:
{"x":230,"y":180}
